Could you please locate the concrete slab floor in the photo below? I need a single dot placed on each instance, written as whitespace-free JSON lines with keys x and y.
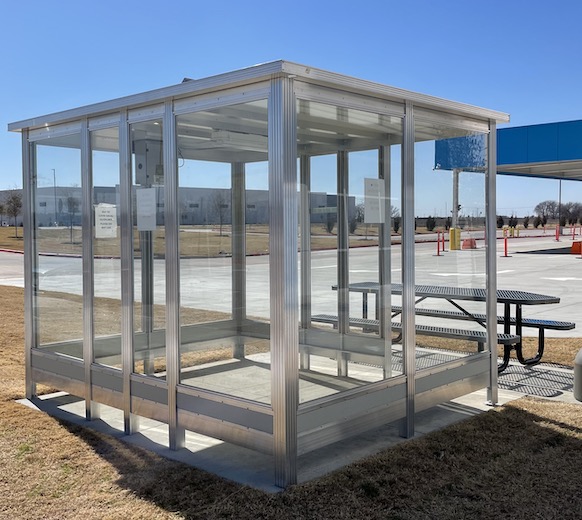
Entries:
{"x":249,"y":467}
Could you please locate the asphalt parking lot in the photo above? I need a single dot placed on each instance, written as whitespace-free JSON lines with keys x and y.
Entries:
{"x":535,"y":264}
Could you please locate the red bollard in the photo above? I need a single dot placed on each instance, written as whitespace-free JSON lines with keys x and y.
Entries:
{"x":505,"y":247}
{"x":558,"y":233}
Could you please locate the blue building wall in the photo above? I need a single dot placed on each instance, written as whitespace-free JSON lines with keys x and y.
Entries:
{"x":551,"y":142}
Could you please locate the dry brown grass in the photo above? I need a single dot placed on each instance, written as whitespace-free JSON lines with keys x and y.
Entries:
{"x":8,"y":239}
{"x":195,"y":241}
{"x":520,"y":461}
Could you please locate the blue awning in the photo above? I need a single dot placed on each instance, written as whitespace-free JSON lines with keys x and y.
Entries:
{"x":551,"y":150}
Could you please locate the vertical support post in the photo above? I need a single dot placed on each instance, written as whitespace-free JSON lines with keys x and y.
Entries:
{"x":558,"y":229}
{"x":491,"y":260}
{"x":29,"y":183}
{"x":91,"y":409}
{"x":130,"y":421}
{"x":385,"y":261}
{"x":455,"y":218}
{"x":147,"y":294}
{"x":343,"y":255}
{"x":238,"y":204}
{"x":408,"y":294}
{"x":305,"y":259}
{"x":282,"y":129}
{"x":176,"y":434}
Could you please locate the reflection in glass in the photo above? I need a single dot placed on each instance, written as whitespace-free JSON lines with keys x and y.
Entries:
{"x":450,"y":162}
{"x":149,"y":246}
{"x":344,"y":348}
{"x":106,"y":247}
{"x":58,"y":284}
{"x":224,"y":246}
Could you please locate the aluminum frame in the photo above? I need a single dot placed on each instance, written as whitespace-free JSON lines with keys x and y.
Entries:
{"x":285,"y":428}
{"x":283,"y":278}
{"x":491,"y":261}
{"x":29,"y":180}
{"x":408,"y":295}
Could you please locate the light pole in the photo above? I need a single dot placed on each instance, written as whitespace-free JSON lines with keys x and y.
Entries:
{"x":55,"y":192}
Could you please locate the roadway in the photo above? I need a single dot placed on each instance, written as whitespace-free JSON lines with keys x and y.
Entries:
{"x":539,"y":264}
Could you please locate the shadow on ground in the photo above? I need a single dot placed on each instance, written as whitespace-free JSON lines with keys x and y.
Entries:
{"x":520,"y":461}
{"x":558,"y":251}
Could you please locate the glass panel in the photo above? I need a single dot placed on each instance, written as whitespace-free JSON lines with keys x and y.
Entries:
{"x":364,"y":232}
{"x":149,"y":246}
{"x":224,"y":246}
{"x":58,"y":301}
{"x":343,"y":146}
{"x":450,"y":162}
{"x":106,"y":247}
{"x":323,"y":200}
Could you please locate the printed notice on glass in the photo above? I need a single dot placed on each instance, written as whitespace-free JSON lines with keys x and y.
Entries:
{"x":105,"y":221}
{"x":373,"y":201}
{"x":146,"y":209}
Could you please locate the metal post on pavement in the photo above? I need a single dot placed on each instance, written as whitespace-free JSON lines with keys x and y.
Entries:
{"x":578,"y":376}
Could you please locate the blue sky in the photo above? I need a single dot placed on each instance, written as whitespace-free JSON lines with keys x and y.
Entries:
{"x":520,"y":57}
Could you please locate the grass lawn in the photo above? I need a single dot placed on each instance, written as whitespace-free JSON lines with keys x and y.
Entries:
{"x":520,"y":461}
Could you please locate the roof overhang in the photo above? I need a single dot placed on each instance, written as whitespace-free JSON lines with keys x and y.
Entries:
{"x":256,"y":74}
{"x":571,"y":170}
{"x":551,"y":150}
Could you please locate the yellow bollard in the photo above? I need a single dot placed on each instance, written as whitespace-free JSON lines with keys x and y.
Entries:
{"x":454,"y":239}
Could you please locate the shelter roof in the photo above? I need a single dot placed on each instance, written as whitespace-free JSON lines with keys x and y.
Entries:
{"x":258,"y":73}
{"x":551,"y":150}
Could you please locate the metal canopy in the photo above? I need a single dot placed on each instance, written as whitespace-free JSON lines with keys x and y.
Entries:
{"x":255,"y":74}
{"x":552,"y":150}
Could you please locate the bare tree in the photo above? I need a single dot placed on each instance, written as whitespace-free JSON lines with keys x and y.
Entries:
{"x":360,"y":212}
{"x":13,"y":206}
{"x":571,"y":211}
{"x":220,"y":206}
{"x":547,"y":209}
{"x":72,"y":205}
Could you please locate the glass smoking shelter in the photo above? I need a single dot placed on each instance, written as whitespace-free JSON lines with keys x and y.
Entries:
{"x":190,"y":254}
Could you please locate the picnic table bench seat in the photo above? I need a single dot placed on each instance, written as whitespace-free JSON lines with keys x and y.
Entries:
{"x":509,"y":341}
{"x":534,"y":323}
{"x":526,"y":322}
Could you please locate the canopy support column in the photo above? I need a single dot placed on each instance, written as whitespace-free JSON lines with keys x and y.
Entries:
{"x":385,"y":262}
{"x":408,"y":293}
{"x":305,"y":226}
{"x":491,"y":259}
{"x":455,"y":217}
{"x":282,"y":131}
{"x":343,"y":250}
{"x":239,"y":311}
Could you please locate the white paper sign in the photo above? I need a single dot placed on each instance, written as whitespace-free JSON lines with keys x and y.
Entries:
{"x":146,"y":209}
{"x":373,"y":201}
{"x":105,"y":221}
